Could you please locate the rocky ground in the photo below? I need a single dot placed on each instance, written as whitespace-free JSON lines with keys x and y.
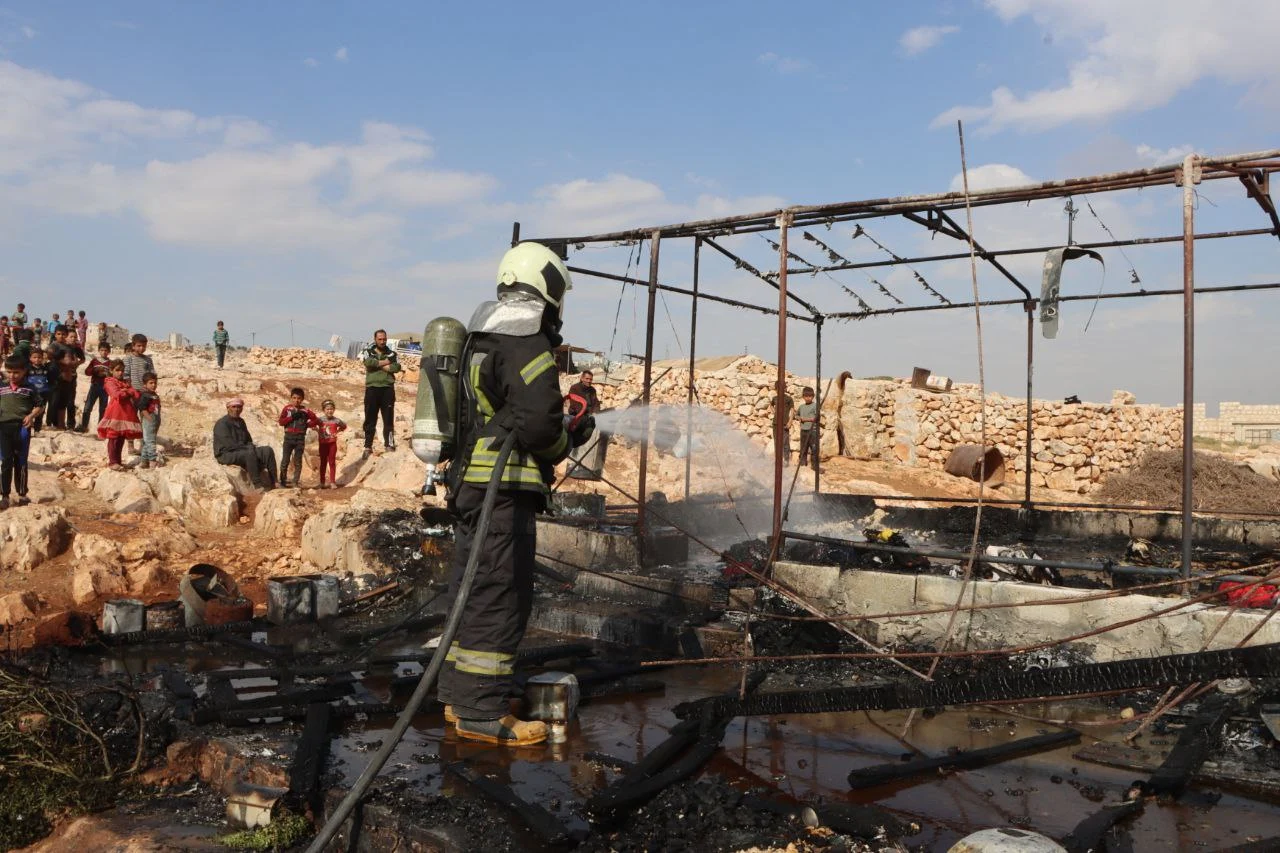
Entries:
{"x":92,"y":534}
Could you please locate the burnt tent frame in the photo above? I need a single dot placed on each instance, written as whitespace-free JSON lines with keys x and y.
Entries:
{"x":1253,"y":170}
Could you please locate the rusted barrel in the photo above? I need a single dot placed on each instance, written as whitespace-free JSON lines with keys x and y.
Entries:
{"x":967,"y":461}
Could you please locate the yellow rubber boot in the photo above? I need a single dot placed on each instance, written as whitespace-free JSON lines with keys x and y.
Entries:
{"x":450,"y":718}
{"x":505,"y":731}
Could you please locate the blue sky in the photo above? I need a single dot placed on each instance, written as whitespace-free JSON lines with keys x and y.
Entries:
{"x":350,"y":165}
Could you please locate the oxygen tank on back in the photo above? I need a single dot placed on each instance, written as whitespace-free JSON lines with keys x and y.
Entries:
{"x":436,"y":412}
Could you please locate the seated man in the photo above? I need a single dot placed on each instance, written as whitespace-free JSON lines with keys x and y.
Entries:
{"x":233,"y":445}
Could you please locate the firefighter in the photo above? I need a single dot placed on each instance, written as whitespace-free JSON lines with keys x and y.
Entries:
{"x":509,"y":383}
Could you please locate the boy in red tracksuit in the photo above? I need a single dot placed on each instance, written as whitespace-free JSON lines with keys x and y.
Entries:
{"x":296,"y":420}
{"x":329,"y":426}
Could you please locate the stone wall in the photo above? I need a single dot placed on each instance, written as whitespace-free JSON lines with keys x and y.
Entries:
{"x":318,"y":360}
{"x":1074,"y":445}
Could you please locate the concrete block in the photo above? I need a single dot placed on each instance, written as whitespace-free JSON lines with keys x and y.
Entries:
{"x":1263,"y":533}
{"x":586,"y":546}
{"x":1155,"y":525}
{"x":858,"y":592}
{"x":1084,"y":523}
{"x":814,"y":583}
{"x":935,"y":591}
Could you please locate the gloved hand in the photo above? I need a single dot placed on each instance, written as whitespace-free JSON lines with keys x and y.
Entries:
{"x":583,"y":432}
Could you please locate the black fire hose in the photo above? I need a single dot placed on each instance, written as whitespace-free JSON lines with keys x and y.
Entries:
{"x":361,"y":787}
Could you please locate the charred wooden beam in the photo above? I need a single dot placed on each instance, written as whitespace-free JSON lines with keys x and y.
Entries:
{"x":1135,"y":674}
{"x":310,"y":755}
{"x":537,"y":818}
{"x":883,"y":774}
{"x":1193,"y":746}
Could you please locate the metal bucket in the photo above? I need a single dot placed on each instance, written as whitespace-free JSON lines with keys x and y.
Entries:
{"x":967,"y":461}
{"x":553,"y":698}
{"x":123,"y":616}
{"x":303,"y":598}
{"x":202,"y":583}
{"x":587,"y":462}
{"x":290,"y":600}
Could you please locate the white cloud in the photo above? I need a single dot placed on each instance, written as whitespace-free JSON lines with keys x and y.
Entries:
{"x":57,"y":137}
{"x":242,"y":133}
{"x":620,"y":201}
{"x":1162,"y":157}
{"x":992,"y":176}
{"x":786,"y":64}
{"x":311,"y":62}
{"x":341,"y":54}
{"x":1134,"y":56}
{"x":29,"y":32}
{"x":919,"y":39}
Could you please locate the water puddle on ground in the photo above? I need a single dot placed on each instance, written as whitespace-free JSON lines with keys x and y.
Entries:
{"x":810,"y":756}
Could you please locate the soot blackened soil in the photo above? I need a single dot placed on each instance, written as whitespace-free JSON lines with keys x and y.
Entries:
{"x":469,"y":822}
{"x":710,"y":816}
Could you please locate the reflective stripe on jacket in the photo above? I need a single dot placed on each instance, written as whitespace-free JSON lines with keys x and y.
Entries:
{"x":516,"y":376}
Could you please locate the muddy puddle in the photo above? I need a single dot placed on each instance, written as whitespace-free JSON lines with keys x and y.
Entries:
{"x":809,"y":757}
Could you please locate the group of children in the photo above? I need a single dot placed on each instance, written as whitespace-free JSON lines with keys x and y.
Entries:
{"x":40,"y":385}
{"x":297,"y":419}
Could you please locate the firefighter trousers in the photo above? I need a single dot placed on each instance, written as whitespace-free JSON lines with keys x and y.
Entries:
{"x":478,"y":675}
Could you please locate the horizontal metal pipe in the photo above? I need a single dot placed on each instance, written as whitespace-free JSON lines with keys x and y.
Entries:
{"x":989,"y":303}
{"x":945,"y":554}
{"x":699,"y":295}
{"x":892,"y":499}
{"x":1036,"y":250}
{"x":808,"y":214}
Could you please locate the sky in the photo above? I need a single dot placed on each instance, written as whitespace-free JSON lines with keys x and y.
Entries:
{"x":302,"y":170}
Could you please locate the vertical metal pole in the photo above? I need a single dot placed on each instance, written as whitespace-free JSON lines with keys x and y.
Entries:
{"x":515,"y":233}
{"x":1030,"y":306}
{"x":693,"y":342}
{"x":1189,"y":177}
{"x":780,"y":389}
{"x":817,"y":397}
{"x":642,"y":530}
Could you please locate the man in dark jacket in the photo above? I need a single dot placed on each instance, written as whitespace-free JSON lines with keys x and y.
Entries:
{"x":510,"y":385}
{"x":380,"y":369}
{"x":233,"y":445}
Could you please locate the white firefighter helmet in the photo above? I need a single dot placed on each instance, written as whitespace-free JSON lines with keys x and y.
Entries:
{"x":535,"y":269}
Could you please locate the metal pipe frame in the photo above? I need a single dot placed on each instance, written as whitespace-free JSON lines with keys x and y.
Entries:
{"x":746,"y":265}
{"x":642,"y":529}
{"x":991,"y":303}
{"x":987,"y":255}
{"x":693,"y":344}
{"x":780,"y":409}
{"x":1214,"y":168}
{"x":1253,"y":170}
{"x":710,"y":297}
{"x":1190,"y":168}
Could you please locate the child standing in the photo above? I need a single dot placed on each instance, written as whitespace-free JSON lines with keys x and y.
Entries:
{"x":137,"y":364}
{"x":121,"y":419}
{"x":82,"y":330}
{"x":97,"y":371}
{"x":38,"y":378}
{"x":149,"y":415}
{"x":6,"y":344}
{"x":296,"y":420}
{"x":329,"y":426}
{"x":220,"y":339}
{"x":20,"y":405}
